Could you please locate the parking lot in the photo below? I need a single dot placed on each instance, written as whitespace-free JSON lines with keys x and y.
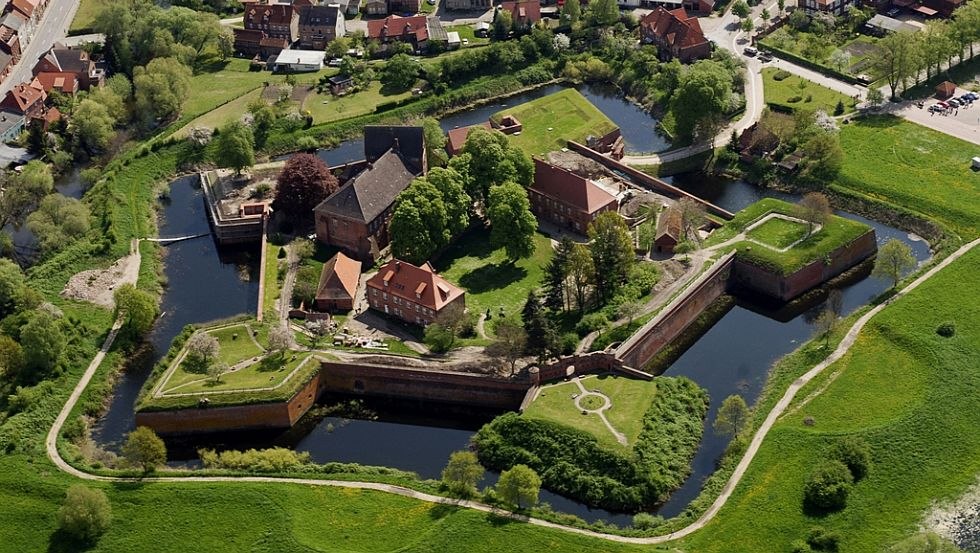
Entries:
{"x":962,"y":122}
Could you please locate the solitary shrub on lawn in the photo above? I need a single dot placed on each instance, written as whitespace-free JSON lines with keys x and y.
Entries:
{"x":822,"y":539}
{"x":946,"y":330}
{"x":855,"y":454}
{"x":827,"y":486}
{"x":799,"y":546}
{"x":85,"y":515}
{"x":144,"y":449}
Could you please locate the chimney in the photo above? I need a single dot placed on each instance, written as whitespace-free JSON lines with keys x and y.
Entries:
{"x":395,"y":145}
{"x":398,"y":266}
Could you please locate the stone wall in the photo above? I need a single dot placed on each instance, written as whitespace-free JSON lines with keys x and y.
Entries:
{"x":756,"y":279}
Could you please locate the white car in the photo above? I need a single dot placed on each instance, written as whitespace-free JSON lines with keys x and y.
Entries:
{"x":750,"y":51}
{"x":335,"y":62}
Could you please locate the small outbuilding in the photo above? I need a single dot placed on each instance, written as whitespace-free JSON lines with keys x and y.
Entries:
{"x":339,"y":84}
{"x":669,"y":230}
{"x":338,"y":284}
{"x":945,"y":90}
{"x":298,"y":61}
{"x":452,"y":40}
{"x":481,"y":29}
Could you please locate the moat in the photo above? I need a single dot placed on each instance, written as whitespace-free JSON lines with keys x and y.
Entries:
{"x":729,"y":358}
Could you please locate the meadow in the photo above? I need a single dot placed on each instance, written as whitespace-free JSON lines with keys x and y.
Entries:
{"x":550,"y":122}
{"x":794,"y":93}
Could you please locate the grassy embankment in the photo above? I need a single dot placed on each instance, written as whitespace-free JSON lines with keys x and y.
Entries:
{"x":791,"y":92}
{"x":550,"y":122}
{"x":836,"y":232}
{"x":778,"y":233}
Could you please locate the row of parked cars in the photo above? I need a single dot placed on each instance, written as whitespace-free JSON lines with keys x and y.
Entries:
{"x":956,"y":102}
{"x":750,"y":52}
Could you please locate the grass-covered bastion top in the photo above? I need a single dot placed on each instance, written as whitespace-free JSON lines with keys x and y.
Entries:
{"x":550,"y":122}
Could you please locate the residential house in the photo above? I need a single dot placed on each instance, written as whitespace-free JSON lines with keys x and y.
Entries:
{"x":338,"y":284}
{"x":63,"y":82}
{"x":413,"y":294}
{"x":376,"y":7}
{"x":468,"y":5}
{"x":566,"y":199}
{"x":944,"y":8}
{"x":65,"y":59}
{"x":835,"y":7}
{"x":26,"y":99}
{"x":11,"y":124}
{"x":404,"y":6}
{"x":355,"y":218}
{"x":880,"y":25}
{"x":417,"y":31}
{"x":670,"y":230}
{"x":524,"y":13}
{"x":340,"y":84}
{"x":675,"y":34}
{"x":319,"y":25}
{"x":298,"y":61}
{"x":29,"y":12}
{"x":456,"y":138}
{"x":10,"y":28}
{"x":268,"y":29}
{"x":7,"y":63}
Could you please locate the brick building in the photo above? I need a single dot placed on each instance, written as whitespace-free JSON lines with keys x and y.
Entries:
{"x":319,"y":25}
{"x":268,"y":29}
{"x":669,"y":230}
{"x":338,"y":284}
{"x":524,"y":13}
{"x":566,"y":199}
{"x":417,"y":31}
{"x":675,"y":34}
{"x":355,"y":218}
{"x":26,"y":99}
{"x":413,"y":294}
{"x":64,"y":59}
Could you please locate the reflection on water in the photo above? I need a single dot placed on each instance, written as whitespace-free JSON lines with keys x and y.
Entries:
{"x":25,"y":245}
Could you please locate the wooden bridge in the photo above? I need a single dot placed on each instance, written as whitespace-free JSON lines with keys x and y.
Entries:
{"x":165,"y":241}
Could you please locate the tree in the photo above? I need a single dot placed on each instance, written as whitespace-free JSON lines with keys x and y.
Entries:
{"x":827,"y":486}
{"x":556,"y":274}
{"x":855,"y":453}
{"x":581,"y":274}
{"x":338,"y":47}
{"x":144,"y":449}
{"x":740,"y":9}
{"x":894,"y":260}
{"x":492,"y":161}
{"x":203,"y":347}
{"x":86,"y":514}
{"x":747,"y":25}
{"x":235,"y":147}
{"x":542,"y":337}
{"x":438,"y":338}
{"x":612,"y":252}
{"x":875,"y":98}
{"x":400,"y":73}
{"x":814,"y":208}
{"x":840,"y":59}
{"x":693,"y":215}
{"x":318,"y":331}
{"x":92,"y":125}
{"x":280,"y":339}
{"x":43,"y":342}
{"x":571,"y":12}
{"x":11,"y":359}
{"x":410,"y":237}
{"x":733,"y":417}
{"x":452,"y":189}
{"x":263,"y":117}
{"x":824,"y":156}
{"x":435,"y":142}
{"x":22,"y":192}
{"x":12,"y":287}
{"x":825,"y":323}
{"x":58,"y":222}
{"x":509,"y":345}
{"x":519,"y":486}
{"x":512,"y":225}
{"x":628,"y":310}
{"x":704,"y":92}
{"x":895,"y":59}
{"x":503,"y":23}
{"x":462,"y":473}
{"x":603,"y":13}
{"x":766,"y":16}
{"x":137,"y":308}
{"x":215,"y":370}
{"x":452,"y":318}
{"x":161,"y":87}
{"x":304,"y":182}
{"x":781,"y":5}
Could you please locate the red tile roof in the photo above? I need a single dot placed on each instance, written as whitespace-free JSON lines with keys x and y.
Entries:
{"x":395,"y":26}
{"x":64,"y":82}
{"x":339,"y":278}
{"x":674,"y":27}
{"x":523,"y":10}
{"x":456,"y":138}
{"x":569,"y":188}
{"x":267,"y":14}
{"x":669,"y":226}
{"x":25,"y":7}
{"x":25,"y":95}
{"x":417,"y":284}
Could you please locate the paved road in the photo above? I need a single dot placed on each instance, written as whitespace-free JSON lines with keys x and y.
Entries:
{"x":52,"y":28}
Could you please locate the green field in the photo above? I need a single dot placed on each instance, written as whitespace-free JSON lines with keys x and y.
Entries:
{"x":327,"y":107}
{"x":907,"y":391}
{"x":836,"y":232}
{"x":489,"y":280}
{"x":233,"y":350}
{"x":267,"y":373}
{"x":270,"y":286}
{"x":788,"y":94}
{"x":778,"y":233}
{"x":550,"y":122}
{"x":630,"y":400}
{"x":918,"y":168}
{"x":85,"y":16}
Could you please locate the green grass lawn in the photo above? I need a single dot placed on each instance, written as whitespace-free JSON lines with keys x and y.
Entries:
{"x":489,"y":280}
{"x":568,"y":115}
{"x":268,"y":372}
{"x":232,"y":350}
{"x":909,"y":393}
{"x":909,"y":165}
{"x":467,"y":32}
{"x":836,"y":232}
{"x":270,"y":291}
{"x":630,"y":400}
{"x":223,"y":114}
{"x":85,"y":16}
{"x":787,"y":93}
{"x":778,"y":233}
{"x":327,"y":107}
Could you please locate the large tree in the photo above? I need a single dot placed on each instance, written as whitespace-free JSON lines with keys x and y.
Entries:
{"x":895,"y":59}
{"x":733,"y":416}
{"x":612,"y":252}
{"x":410,"y":238}
{"x":452,"y":188}
{"x":11,"y":359}
{"x":581,"y":275}
{"x":509,"y":345}
{"x":162,"y":86}
{"x":22,"y":192}
{"x":235,"y":147}
{"x":542,"y":337}
{"x":86,"y":514}
{"x":400,"y":73}
{"x":519,"y":486}
{"x":512,"y":225}
{"x":43,"y":341}
{"x":435,"y":142}
{"x":12,"y":287}
{"x":814,"y":208}
{"x":893,"y":261}
{"x":493,"y":161}
{"x":58,"y":222}
{"x":556,"y":275}
{"x":571,"y":12}
{"x":304,"y":182}
{"x":144,"y":449}
{"x":92,"y":125}
{"x":702,"y":96}
{"x":462,"y":473}
{"x":603,"y":13}
{"x":202,"y":348}
{"x":137,"y":308}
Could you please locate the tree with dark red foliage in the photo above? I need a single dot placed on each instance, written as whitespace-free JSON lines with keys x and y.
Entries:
{"x":303,"y":183}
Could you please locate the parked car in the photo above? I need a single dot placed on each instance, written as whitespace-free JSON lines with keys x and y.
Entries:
{"x":953,"y":102}
{"x":335,"y":62}
{"x":750,"y":51}
{"x":966,"y":98}
{"x":935,"y":108}
{"x":466,"y":42}
{"x":765,"y":56}
{"x":893,"y":12}
{"x":973,"y":95}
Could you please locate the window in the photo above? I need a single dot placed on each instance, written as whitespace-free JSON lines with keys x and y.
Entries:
{"x":386,"y":296}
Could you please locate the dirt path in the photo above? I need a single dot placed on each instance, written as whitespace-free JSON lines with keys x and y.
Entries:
{"x":760,"y":434}
{"x":286,"y":294}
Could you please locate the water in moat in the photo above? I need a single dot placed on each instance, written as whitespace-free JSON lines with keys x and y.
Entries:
{"x":25,"y":245}
{"x":205,"y":283}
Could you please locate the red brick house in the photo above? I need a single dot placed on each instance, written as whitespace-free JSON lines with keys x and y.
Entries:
{"x":413,"y":294}
{"x":355,"y":218}
{"x":338,"y":284}
{"x":27,"y":99}
{"x":319,"y":25}
{"x":7,"y":63}
{"x":63,"y":59}
{"x":566,"y":199}
{"x":417,"y":30}
{"x":63,"y":82}
{"x":524,"y":13}
{"x":268,"y":28}
{"x":675,"y":34}
{"x":10,"y":26}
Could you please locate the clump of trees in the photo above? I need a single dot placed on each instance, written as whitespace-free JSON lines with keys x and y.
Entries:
{"x":830,"y":482}
{"x":276,"y":459}
{"x":429,"y":214}
{"x":462,"y":474}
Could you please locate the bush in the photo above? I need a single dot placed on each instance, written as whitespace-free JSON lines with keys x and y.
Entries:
{"x":276,"y":459}
{"x":799,"y":546}
{"x":793,"y":99}
{"x":591,"y":323}
{"x":827,"y":486}
{"x":855,"y":453}
{"x":569,"y":341}
{"x":781,"y":75}
{"x":946,"y":330}
{"x":822,"y":539}
{"x":85,"y":514}
{"x":646,"y":521}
